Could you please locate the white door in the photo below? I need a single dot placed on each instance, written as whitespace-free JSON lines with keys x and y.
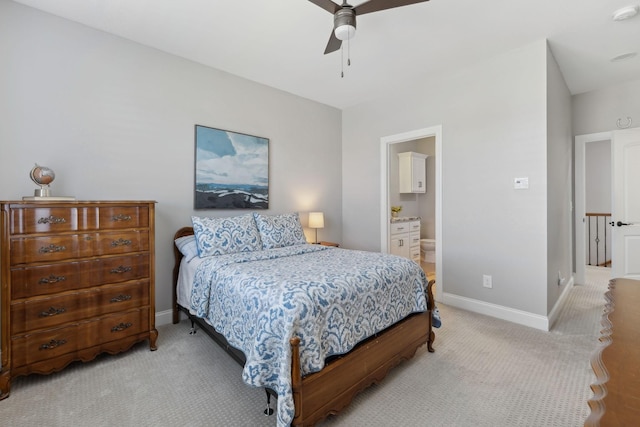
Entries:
{"x":626,"y":204}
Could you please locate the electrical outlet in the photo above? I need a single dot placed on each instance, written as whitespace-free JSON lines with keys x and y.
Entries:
{"x":560,"y":279}
{"x":486,"y":281}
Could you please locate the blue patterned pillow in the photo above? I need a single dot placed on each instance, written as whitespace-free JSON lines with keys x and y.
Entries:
{"x":219,"y":236}
{"x":278,"y":231}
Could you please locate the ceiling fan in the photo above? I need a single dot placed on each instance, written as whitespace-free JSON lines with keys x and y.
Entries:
{"x":344,"y":17}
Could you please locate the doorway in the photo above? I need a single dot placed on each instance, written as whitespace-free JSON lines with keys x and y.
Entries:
{"x":582,"y":232}
{"x":385,"y":212}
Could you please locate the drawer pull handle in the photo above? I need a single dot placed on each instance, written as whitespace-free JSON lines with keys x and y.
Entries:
{"x":121,"y":327}
{"x":52,"y":344}
{"x":121,"y":269}
{"x":121,"y":298}
{"x":51,"y":248}
{"x":52,"y":220}
{"x":121,"y":217}
{"x":51,"y":279}
{"x":52,"y":312}
{"x":121,"y":242}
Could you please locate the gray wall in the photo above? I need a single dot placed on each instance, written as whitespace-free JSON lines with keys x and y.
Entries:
{"x":494,"y":125}
{"x":115,"y":120}
{"x":559,"y":183}
{"x":599,"y":110}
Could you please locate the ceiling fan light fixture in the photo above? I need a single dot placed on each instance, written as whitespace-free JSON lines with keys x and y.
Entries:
{"x":627,"y":12}
{"x":345,"y":32}
{"x":344,"y":24}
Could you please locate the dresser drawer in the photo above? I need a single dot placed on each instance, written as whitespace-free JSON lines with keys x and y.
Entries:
{"x":47,"y":279}
{"x":118,"y":217}
{"x":122,"y":242}
{"x":50,"y":220}
{"x":50,"y":248}
{"x":46,"y":312}
{"x":51,"y":278}
{"x":68,"y":246}
{"x":35,"y":347}
{"x":30,"y":220}
{"x":120,"y":268}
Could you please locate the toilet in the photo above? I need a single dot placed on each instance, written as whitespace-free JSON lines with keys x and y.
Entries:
{"x":428,"y":250}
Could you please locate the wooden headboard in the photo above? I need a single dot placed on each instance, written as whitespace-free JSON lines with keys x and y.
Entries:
{"x":184,"y":231}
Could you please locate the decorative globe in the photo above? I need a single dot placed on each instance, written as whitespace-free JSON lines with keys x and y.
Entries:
{"x":42,"y":175}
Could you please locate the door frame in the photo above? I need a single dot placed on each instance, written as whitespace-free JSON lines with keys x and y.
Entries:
{"x":580,"y":208}
{"x":385,"y":143}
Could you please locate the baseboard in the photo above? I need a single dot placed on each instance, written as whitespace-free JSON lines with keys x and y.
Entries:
{"x":501,"y":312}
{"x":164,"y":317}
{"x":555,"y":312}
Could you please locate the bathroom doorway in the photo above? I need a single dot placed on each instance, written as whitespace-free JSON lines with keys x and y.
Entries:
{"x":428,"y":206}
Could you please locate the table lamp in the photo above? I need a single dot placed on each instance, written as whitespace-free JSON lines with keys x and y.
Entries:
{"x":316,"y":220}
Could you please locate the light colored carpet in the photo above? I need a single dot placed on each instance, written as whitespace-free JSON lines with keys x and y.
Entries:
{"x":485,"y":372}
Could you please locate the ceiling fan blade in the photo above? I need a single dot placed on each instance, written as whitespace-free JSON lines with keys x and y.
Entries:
{"x":376,"y":5}
{"x":334,"y":44}
{"x":327,"y":5}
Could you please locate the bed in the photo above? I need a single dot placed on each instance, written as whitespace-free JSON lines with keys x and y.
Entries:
{"x":313,"y":324}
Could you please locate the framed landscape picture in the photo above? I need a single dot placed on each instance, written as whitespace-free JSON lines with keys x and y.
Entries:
{"x":231,"y":170}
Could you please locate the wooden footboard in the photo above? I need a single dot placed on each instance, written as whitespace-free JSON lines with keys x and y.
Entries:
{"x":327,"y":392}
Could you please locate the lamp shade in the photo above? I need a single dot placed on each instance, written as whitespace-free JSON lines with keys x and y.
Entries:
{"x":316,"y":220}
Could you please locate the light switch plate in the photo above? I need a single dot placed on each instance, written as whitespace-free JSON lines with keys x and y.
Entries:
{"x":521,"y":183}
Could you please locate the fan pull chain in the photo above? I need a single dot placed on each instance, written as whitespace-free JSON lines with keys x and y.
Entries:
{"x":342,"y":57}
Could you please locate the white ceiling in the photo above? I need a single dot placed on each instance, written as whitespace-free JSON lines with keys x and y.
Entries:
{"x":280,"y":43}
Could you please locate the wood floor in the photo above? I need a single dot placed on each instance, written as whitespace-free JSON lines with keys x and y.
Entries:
{"x":429,"y":269}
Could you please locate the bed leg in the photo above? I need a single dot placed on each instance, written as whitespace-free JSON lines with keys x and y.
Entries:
{"x":193,"y":325}
{"x":269,"y":410}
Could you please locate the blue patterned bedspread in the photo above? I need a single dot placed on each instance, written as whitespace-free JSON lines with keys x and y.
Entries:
{"x":330,"y":298}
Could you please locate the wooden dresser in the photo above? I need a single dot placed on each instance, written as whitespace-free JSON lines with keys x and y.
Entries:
{"x":77,"y":280}
{"x":616,"y":393}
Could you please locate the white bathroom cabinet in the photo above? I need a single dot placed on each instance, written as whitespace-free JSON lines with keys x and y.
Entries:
{"x":413,"y":172}
{"x":404,"y":238}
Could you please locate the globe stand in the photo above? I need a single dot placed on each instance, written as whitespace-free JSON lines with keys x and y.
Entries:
{"x":43,"y":191}
{"x":43,"y":176}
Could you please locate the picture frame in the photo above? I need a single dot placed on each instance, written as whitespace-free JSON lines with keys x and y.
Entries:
{"x":231,"y":170}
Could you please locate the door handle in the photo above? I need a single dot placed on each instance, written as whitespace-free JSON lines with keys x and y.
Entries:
{"x":620,"y":223}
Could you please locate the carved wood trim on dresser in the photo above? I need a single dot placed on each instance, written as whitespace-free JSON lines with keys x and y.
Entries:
{"x":616,"y":363}
{"x":77,"y":280}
